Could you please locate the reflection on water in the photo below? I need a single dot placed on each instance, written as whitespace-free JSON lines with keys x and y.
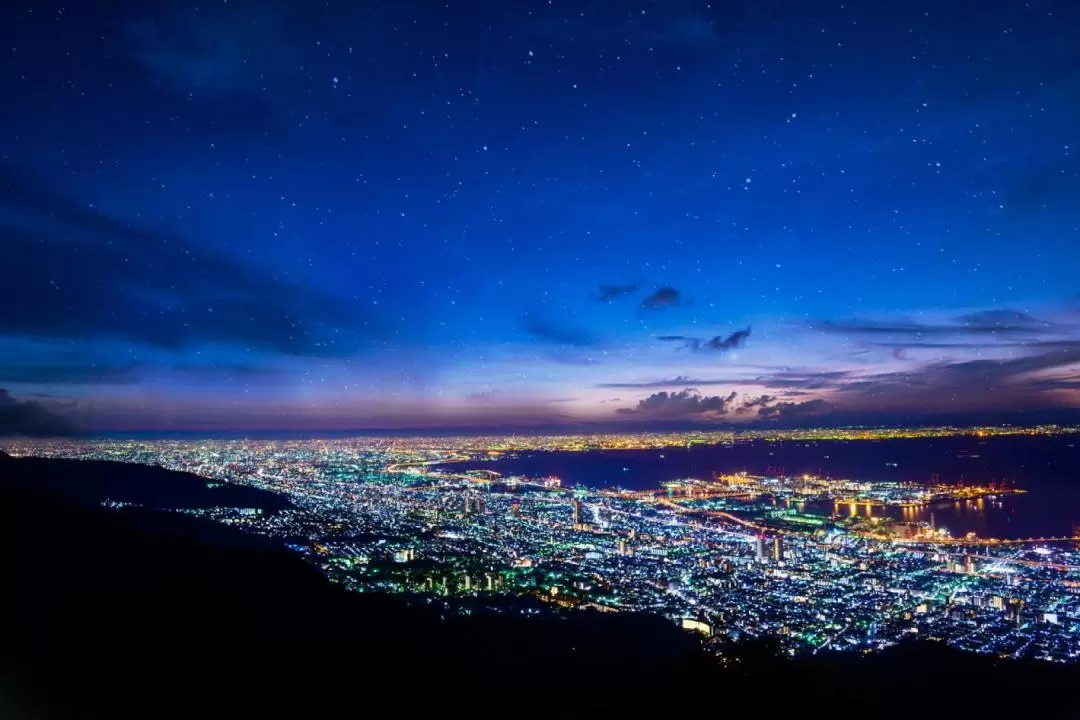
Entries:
{"x":1046,"y":514}
{"x":1046,"y":467}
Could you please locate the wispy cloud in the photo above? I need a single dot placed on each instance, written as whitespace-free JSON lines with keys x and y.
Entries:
{"x":76,"y":374}
{"x":989,"y":362}
{"x":662,"y":298}
{"x":719,"y":343}
{"x":1001,"y":323}
{"x":484,"y":396}
{"x":967,"y":383}
{"x":607,"y":293}
{"x":552,"y":332}
{"x":147,"y":286}
{"x":756,"y":403}
{"x":803,"y":380}
{"x":26,"y":417}
{"x":237,"y":46}
{"x":677,"y":381}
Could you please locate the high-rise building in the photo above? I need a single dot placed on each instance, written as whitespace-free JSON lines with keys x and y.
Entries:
{"x":577,"y":511}
{"x":759,"y":548}
{"x":778,"y":549}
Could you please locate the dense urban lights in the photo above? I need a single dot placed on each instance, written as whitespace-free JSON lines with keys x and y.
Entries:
{"x":730,"y":556}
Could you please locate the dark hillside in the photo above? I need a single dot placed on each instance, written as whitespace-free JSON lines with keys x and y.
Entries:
{"x":103,"y":617}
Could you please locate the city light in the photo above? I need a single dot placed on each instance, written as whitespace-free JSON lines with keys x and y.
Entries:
{"x":725,"y":556}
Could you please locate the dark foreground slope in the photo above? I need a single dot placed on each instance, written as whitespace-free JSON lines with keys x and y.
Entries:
{"x":108,"y":612}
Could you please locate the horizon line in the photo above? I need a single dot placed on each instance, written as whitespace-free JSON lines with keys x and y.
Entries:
{"x":537,"y":431}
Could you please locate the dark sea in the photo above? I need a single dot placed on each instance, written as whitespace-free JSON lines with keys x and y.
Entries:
{"x":1047,"y":467}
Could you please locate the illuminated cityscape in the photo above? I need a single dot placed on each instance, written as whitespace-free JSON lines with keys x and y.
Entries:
{"x":729,"y":556}
{"x":419,"y":356}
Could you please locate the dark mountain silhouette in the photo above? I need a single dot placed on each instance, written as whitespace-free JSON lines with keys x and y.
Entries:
{"x":91,"y":481}
{"x":140,"y":612}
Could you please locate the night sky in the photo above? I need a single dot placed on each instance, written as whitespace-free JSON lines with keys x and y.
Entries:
{"x":402,"y":214}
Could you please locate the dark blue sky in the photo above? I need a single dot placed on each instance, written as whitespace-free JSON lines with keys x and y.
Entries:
{"x":397,"y":214}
